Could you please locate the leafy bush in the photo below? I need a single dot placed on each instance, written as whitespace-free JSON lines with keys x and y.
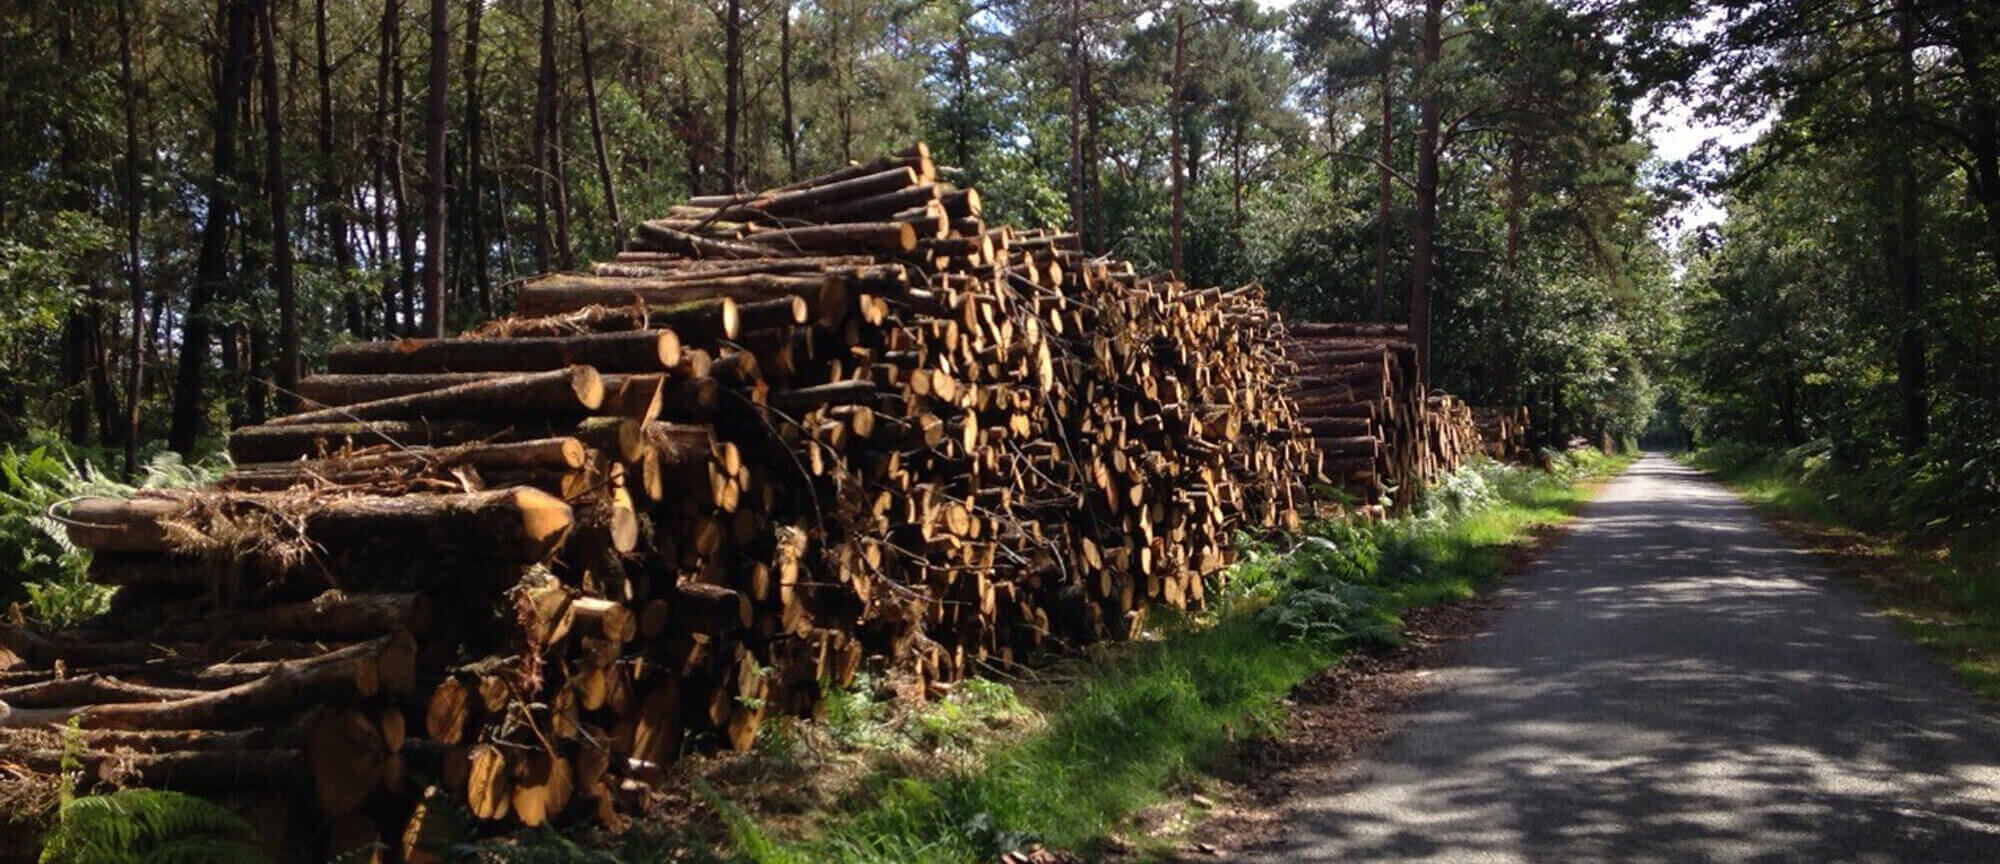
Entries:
{"x":37,"y":561}
{"x":1323,"y":588}
{"x":147,"y":826}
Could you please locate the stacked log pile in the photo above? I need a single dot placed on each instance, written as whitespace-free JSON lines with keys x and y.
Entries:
{"x":1381,"y":435}
{"x":781,"y":435}
{"x":1504,"y":431}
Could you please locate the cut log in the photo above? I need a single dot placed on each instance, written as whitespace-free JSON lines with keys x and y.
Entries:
{"x":346,"y":758}
{"x":878,"y":236}
{"x":570,"y":390}
{"x":558,"y":454}
{"x":827,"y":294}
{"x":286,"y":687}
{"x":506,"y":524}
{"x":698,"y":322}
{"x":637,"y":351}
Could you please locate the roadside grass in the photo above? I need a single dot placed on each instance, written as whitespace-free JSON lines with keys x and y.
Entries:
{"x":1937,"y":577}
{"x":1125,"y":723}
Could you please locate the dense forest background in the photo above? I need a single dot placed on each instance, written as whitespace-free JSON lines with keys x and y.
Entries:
{"x":198,"y":198}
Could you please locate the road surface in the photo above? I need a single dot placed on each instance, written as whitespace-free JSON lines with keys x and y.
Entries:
{"x":1674,"y":682}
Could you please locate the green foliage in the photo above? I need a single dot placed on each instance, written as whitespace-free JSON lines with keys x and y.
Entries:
{"x":35,"y":552}
{"x":148,"y":826}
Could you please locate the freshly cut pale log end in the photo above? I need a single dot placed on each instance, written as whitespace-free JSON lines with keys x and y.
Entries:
{"x":542,"y":787}
{"x":545,"y":521}
{"x":449,"y":709}
{"x":488,"y":786}
{"x":670,"y":349}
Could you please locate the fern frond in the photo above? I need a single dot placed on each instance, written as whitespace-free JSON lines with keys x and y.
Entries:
{"x":147,"y":826}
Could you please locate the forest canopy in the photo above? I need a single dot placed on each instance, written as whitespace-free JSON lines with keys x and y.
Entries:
{"x":198,"y":199}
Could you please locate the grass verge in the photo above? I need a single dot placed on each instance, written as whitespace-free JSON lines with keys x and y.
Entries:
{"x":1126,"y":722}
{"x":1940,"y":582}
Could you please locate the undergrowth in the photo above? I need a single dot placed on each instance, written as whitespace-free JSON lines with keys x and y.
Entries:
{"x":142,"y":826}
{"x":38,"y":565}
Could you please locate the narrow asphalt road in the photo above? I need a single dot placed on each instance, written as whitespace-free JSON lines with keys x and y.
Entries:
{"x":1674,"y":682}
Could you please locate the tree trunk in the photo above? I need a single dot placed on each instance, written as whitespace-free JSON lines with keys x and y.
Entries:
{"x":545,"y":109}
{"x":406,"y":227}
{"x":785,"y":91}
{"x":280,"y":202}
{"x":732,"y":75}
{"x":1385,"y":153}
{"x":1910,"y":371}
{"x":135,"y":357}
{"x":434,"y":168}
{"x":475,"y":177}
{"x":1429,"y":47}
{"x":1517,"y":195}
{"x":212,"y":263}
{"x":388,"y":36}
{"x":1076,"y":121}
{"x":331,"y":203}
{"x":559,"y":177}
{"x":604,"y":174}
{"x":1179,"y":217}
{"x":80,"y":323}
{"x":1239,"y":151}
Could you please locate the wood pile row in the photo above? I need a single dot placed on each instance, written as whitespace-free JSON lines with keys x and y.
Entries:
{"x":1504,"y":430}
{"x":1381,"y":436}
{"x":779,"y":437}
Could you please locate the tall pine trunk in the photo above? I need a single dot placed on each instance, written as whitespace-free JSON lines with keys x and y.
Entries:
{"x":545,"y":109}
{"x":136,"y":346}
{"x":389,"y":38}
{"x":1517,"y":202}
{"x":1076,"y":48}
{"x":280,"y":204}
{"x":1911,"y":385}
{"x":439,"y":74}
{"x":1430,"y":47}
{"x":1385,"y":201}
{"x":406,"y":227}
{"x":785,"y":90}
{"x":84,"y":321}
{"x":732,"y":100}
{"x":596,"y":123}
{"x":1179,"y":216}
{"x":475,"y":191}
{"x":559,"y":171}
{"x":329,"y":199}
{"x":219,"y":210}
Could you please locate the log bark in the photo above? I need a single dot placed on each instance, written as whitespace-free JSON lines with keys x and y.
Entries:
{"x":876,"y":236}
{"x":643,"y":351}
{"x":570,"y":390}
{"x":507,"y":524}
{"x":827,"y":294}
{"x":254,"y":444}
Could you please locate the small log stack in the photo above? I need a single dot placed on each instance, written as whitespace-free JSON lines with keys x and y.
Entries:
{"x":779,"y":436}
{"x":1381,"y":437}
{"x":1504,"y":431}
